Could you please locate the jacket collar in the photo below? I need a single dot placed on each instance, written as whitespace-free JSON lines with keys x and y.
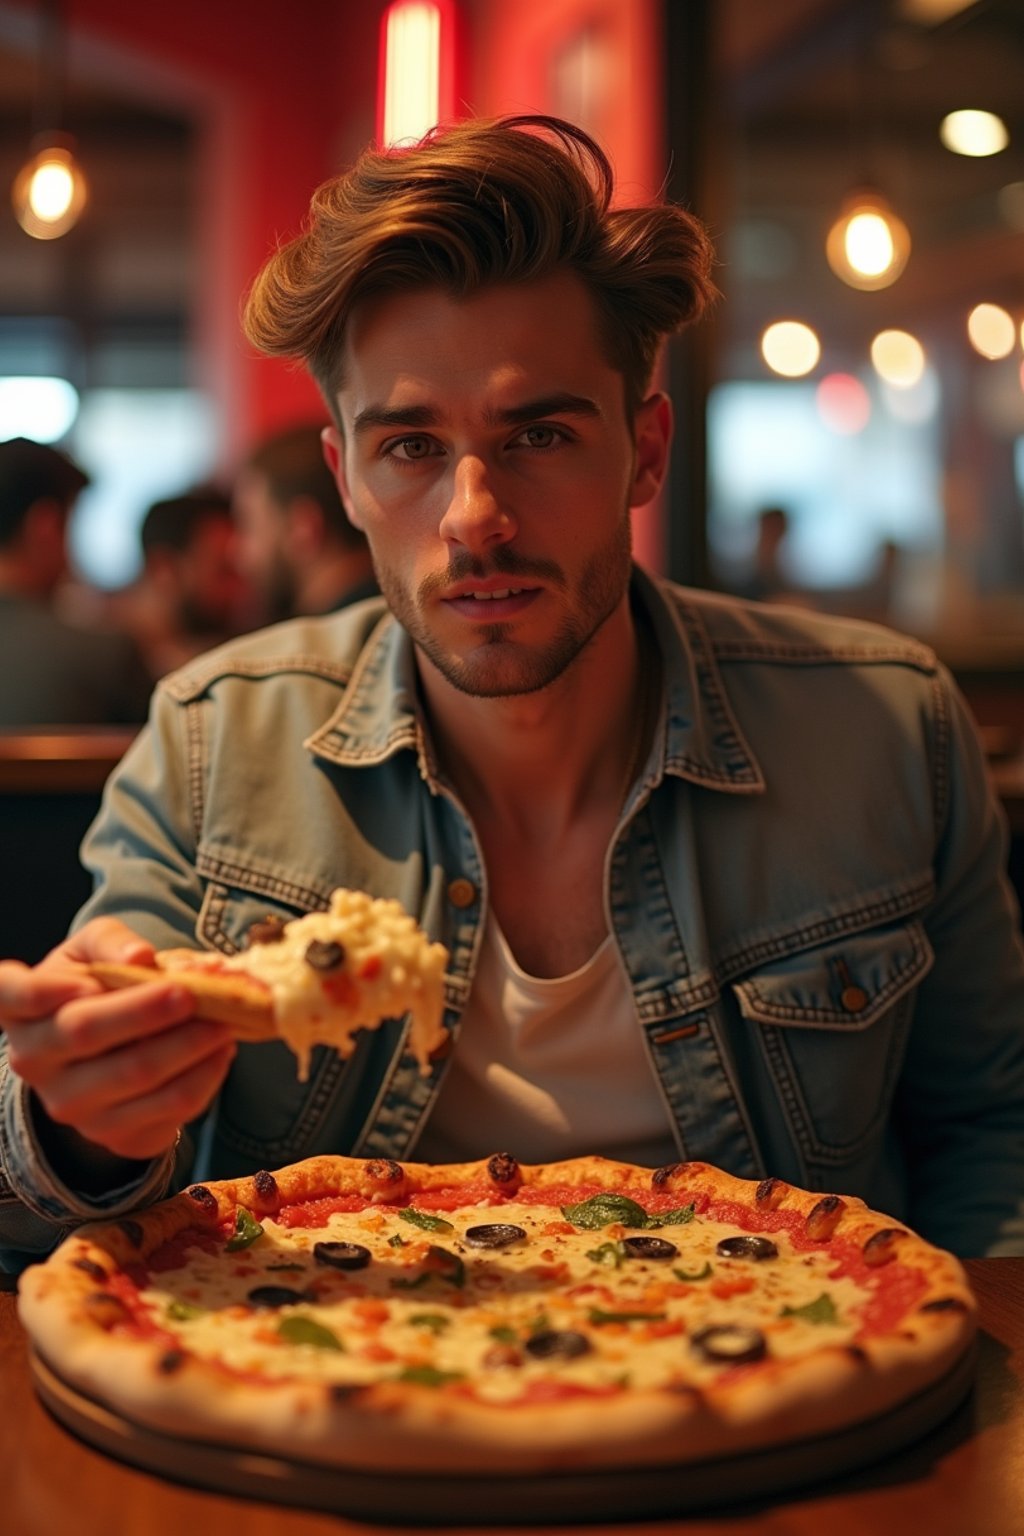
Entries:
{"x":698,"y":737}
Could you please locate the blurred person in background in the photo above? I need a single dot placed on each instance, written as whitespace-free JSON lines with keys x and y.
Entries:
{"x":190,"y":594}
{"x":295,"y":542}
{"x":55,"y":672}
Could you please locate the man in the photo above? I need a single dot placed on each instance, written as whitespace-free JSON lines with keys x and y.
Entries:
{"x":54,"y":672}
{"x":294,"y":541}
{"x":717,"y":881}
{"x":190,"y":594}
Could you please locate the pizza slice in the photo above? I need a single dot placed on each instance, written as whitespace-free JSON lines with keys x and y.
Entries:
{"x":315,"y":980}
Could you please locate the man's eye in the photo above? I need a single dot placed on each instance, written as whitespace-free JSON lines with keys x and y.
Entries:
{"x":540,"y":437}
{"x":410,"y":448}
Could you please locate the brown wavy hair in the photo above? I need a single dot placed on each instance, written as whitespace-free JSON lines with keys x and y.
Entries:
{"x":503,"y":200}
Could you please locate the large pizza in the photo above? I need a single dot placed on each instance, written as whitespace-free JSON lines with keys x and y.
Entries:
{"x":493,"y":1317}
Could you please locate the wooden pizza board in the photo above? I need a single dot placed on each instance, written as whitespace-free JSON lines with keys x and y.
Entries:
{"x":419,"y":1499}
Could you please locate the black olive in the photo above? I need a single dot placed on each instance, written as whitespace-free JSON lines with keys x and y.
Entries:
{"x":324,"y":955}
{"x":342,"y":1255}
{"x":746,"y":1246}
{"x":495,"y":1234}
{"x":275,"y":1296}
{"x":648,"y":1248}
{"x":730,"y":1344}
{"x":557,"y":1344}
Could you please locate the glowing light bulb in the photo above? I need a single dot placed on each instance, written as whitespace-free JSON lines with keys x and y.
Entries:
{"x":867,"y":246}
{"x":973,"y":133}
{"x":49,"y":191}
{"x":790,"y":348}
{"x":898,"y":358}
{"x":991,"y":331}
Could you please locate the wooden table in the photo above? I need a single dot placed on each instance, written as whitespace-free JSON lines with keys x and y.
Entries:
{"x":966,"y":1478}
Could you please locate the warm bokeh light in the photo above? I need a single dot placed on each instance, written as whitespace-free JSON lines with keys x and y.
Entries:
{"x":49,"y":192}
{"x":898,"y":358}
{"x":843,"y":403}
{"x":974,"y":133}
{"x":412,"y":70}
{"x":867,"y":246}
{"x":991,"y":330}
{"x":790,"y":348}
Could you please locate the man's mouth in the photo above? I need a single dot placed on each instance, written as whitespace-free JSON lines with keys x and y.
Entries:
{"x":500,"y":592}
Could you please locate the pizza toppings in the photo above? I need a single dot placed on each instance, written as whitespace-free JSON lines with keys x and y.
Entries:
{"x":274,"y":1296}
{"x":748,"y":1245}
{"x":730,"y":1344}
{"x":648,"y":1248}
{"x":342,"y":1255}
{"x":324,"y":955}
{"x":557,"y":1344}
{"x":495,"y":1234}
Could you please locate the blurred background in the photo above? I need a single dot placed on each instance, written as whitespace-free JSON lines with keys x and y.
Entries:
{"x":851,"y":436}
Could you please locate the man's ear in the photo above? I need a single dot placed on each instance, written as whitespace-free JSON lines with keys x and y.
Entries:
{"x":334,"y":452}
{"x":652,"y":428}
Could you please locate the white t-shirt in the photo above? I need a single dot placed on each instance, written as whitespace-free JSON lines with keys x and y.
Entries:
{"x":549,"y":1068}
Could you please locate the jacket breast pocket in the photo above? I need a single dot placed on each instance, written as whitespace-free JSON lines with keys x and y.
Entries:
{"x":832,"y":1023}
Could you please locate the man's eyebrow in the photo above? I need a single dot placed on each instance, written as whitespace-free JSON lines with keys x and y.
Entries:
{"x":418,"y":417}
{"x":563,"y":404}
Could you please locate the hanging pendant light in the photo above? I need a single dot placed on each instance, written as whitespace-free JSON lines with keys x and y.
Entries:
{"x":868,"y":245}
{"x":49,"y":191}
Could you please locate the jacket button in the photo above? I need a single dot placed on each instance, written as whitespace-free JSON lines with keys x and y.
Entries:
{"x":854,"y":999}
{"x":461,"y":892}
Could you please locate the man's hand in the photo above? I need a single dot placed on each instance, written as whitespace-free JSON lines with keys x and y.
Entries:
{"x":122,"y":1069}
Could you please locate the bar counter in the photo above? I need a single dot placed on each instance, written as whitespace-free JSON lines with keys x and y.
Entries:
{"x":965,"y":1478}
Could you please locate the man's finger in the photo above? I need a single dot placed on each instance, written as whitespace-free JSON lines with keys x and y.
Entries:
{"x":35,"y":992}
{"x":107,"y":938}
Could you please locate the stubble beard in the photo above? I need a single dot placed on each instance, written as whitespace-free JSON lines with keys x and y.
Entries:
{"x":498,"y":666}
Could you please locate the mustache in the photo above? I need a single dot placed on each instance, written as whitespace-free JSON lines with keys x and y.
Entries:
{"x":503,"y":562}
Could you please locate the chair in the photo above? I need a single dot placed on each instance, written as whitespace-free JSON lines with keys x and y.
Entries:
{"x":51,"y":782}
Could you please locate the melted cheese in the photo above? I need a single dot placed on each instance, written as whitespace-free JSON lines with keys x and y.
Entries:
{"x":389,"y":969}
{"x":551,"y":1279}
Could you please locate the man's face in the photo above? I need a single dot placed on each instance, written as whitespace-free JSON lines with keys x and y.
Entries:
{"x":261,"y":544}
{"x":487,"y":456}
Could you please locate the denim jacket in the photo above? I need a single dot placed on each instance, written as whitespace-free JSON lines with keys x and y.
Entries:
{"x":806,"y":890}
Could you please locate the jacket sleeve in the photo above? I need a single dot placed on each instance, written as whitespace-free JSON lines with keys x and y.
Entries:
{"x":961,"y":1100}
{"x":141,"y":850}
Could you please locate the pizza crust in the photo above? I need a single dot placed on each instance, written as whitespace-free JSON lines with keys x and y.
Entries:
{"x":395,"y":1426}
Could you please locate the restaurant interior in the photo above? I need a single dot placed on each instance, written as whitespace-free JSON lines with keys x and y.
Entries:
{"x":848,"y":437}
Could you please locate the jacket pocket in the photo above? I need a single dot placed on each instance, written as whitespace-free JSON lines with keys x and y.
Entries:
{"x":229,"y":911}
{"x":832,"y":1022}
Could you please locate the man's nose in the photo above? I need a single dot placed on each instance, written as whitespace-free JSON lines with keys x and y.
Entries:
{"x":477,"y":514}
